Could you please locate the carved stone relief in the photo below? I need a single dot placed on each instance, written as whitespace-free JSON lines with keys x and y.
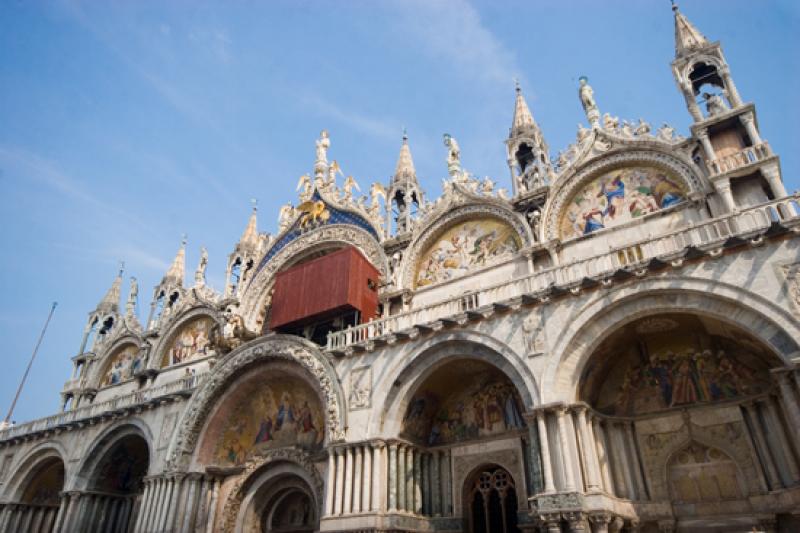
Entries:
{"x":360,"y":395}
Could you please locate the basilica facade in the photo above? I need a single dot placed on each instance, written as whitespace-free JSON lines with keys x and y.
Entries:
{"x":611,"y":345}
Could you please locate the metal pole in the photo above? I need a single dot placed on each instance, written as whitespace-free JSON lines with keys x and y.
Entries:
{"x":30,"y":363}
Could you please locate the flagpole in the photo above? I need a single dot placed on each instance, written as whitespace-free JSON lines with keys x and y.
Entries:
{"x":7,"y":421}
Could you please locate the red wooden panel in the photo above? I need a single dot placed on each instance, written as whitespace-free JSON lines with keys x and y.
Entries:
{"x":326,"y":286}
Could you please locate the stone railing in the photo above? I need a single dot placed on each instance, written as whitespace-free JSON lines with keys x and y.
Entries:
{"x":746,"y":156}
{"x":708,"y":236}
{"x":182,"y":386}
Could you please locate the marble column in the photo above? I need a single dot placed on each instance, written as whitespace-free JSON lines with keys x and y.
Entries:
{"x":178,"y":483}
{"x":380,"y":474}
{"x":547,"y":466}
{"x":410,"y":452}
{"x":339,"y":507}
{"x":330,"y":486}
{"x":779,"y":430}
{"x":749,"y":123}
{"x":212,"y":506}
{"x":366,"y":490}
{"x":417,"y":482}
{"x":772,"y":173}
{"x":202,"y":504}
{"x":169,"y":488}
{"x":190,"y":511}
{"x":789,"y":398}
{"x":762,"y":448}
{"x":563,"y":435}
{"x":401,"y":478}
{"x":393,"y":478}
{"x":711,"y":155}
{"x":348,"y":480}
{"x":152,"y":511}
{"x":589,"y":453}
{"x":723,"y":188}
{"x":618,"y":463}
{"x":358,"y":458}
{"x":733,"y":92}
{"x":602,"y":454}
{"x":636,"y":466}
{"x":59,"y":519}
{"x":447,"y":484}
{"x":425,"y":466}
{"x":436,"y":484}
{"x":535,"y":455}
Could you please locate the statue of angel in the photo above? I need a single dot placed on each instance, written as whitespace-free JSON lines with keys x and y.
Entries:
{"x":714,"y":104}
{"x":349,"y":184}
{"x":133,"y":295}
{"x":307,"y":187}
{"x":609,"y":122}
{"x":583,"y":133}
{"x":502,"y":193}
{"x":586,"y":94}
{"x":286,"y":216}
{"x":487,"y":186}
{"x":643,"y":128}
{"x":665,"y":132}
{"x":333,"y":169}
{"x":627,"y":129}
{"x":377,"y":190}
{"x":200,"y":273}
{"x":323,"y":143}
{"x":453,"y":155}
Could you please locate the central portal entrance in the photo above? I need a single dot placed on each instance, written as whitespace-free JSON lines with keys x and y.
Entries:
{"x":492,"y":498}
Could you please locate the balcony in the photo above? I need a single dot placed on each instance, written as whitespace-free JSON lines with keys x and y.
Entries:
{"x":120,"y":405}
{"x":694,"y":240}
{"x":745,"y":157}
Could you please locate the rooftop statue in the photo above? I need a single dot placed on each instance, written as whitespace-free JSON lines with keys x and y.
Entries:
{"x":453,"y":156}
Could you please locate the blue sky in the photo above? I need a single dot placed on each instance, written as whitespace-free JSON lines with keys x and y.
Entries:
{"x":125,"y":124}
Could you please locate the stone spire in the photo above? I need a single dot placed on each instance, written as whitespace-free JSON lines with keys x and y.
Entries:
{"x":174,"y":275}
{"x":687,"y":36}
{"x":250,"y":235}
{"x":523,"y":119}
{"x":110,"y":302}
{"x":405,"y":170}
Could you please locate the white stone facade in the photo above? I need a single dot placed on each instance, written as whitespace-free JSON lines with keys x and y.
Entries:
{"x":533,"y":331}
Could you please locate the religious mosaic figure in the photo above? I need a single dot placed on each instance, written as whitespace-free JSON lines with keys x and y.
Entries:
{"x":618,"y":197}
{"x":122,"y":366}
{"x":485,"y":408}
{"x":467,"y":246}
{"x":191,"y":342}
{"x":273,"y":414}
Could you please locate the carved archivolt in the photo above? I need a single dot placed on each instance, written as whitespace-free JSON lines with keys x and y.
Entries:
{"x":255,"y":296}
{"x":563,"y":191}
{"x":280,"y":347}
{"x":453,"y":215}
{"x":238,"y":492}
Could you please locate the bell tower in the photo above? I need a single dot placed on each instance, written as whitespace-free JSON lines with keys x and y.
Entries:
{"x":528,"y":155}
{"x":404,"y":196}
{"x":739,"y":162}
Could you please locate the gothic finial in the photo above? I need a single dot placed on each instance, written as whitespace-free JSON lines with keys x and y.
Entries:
{"x":121,"y":267}
{"x":523,"y":119}
{"x":687,"y":36}
{"x":254,"y":202}
{"x":176,"y":270}
{"x":404,"y":170}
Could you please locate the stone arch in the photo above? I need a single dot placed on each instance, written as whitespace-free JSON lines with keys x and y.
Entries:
{"x":175,"y":326}
{"x":27,"y":467}
{"x":438,"y":225}
{"x":394,"y":391}
{"x":272,"y":468}
{"x":607,"y":311}
{"x":265,"y":349}
{"x":256,"y":294}
{"x":672,"y":452}
{"x":104,"y":362}
{"x":652,"y":156}
{"x":98,"y":449}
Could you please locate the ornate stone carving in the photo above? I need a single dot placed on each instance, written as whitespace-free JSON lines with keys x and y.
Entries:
{"x":237,"y":493}
{"x":792,"y":274}
{"x":277,"y":347}
{"x":533,"y":326}
{"x":360,"y":396}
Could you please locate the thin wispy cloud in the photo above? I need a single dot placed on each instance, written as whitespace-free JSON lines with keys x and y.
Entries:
{"x":453,"y":32}
{"x":25,"y":165}
{"x":354,"y":119}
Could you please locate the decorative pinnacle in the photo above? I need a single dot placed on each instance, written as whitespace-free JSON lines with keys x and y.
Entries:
{"x":254,"y":202}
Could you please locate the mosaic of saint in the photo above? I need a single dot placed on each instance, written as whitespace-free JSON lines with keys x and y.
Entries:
{"x":191,"y":342}
{"x":671,"y":361}
{"x":46,"y":486}
{"x":268,"y":413}
{"x":124,"y":364}
{"x":464,"y":247}
{"x":618,"y":197}
{"x":463,"y":401}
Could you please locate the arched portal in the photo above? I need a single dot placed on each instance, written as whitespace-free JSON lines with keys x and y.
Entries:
{"x":685,"y":411}
{"x":114,"y":486}
{"x":491,"y":501}
{"x":287,"y":506}
{"x":40,"y":498}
